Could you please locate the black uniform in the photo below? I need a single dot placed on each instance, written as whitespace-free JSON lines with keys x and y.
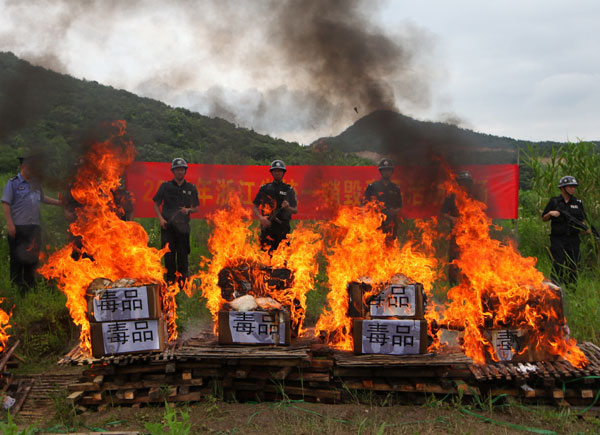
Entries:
{"x":449,"y":207}
{"x":177,"y":231}
{"x":564,"y":238}
{"x":268,"y":200}
{"x":24,"y":199}
{"x":391,"y":197}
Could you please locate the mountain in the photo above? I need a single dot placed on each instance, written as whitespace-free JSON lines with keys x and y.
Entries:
{"x":56,"y":114}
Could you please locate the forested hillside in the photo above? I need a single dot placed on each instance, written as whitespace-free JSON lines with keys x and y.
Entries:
{"x":55,"y":113}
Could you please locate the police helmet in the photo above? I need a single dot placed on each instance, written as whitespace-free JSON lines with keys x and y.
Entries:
{"x":567,"y":180}
{"x":464,"y":176}
{"x":178,"y":162}
{"x":277,"y":164}
{"x":385,"y":164}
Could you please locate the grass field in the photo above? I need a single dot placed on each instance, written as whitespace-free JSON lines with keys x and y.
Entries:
{"x":42,"y":323}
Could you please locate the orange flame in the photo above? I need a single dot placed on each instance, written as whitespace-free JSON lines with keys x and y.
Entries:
{"x":500,"y":289}
{"x":231,"y":246}
{"x":4,"y":326}
{"x":119,"y":249}
{"x":358,"y":252}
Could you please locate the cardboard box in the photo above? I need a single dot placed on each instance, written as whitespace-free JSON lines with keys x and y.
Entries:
{"x":131,"y":303}
{"x":390,"y":337}
{"x":133,"y":336}
{"x":254,"y":327}
{"x":397,"y":301}
{"x":509,"y":345}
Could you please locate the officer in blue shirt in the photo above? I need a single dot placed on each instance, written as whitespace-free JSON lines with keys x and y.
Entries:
{"x":21,"y":205}
{"x":388,"y":193}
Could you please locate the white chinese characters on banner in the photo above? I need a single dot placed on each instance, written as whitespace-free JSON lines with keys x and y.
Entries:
{"x":391,"y":337}
{"x":130,"y":336}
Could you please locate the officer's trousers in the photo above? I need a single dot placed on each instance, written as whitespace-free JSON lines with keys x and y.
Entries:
{"x":24,"y":250}
{"x":565,"y":254}
{"x":177,"y":259}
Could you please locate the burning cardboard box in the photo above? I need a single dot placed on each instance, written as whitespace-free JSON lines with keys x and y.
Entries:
{"x":519,"y":343}
{"x":125,"y":318}
{"x":390,"y":337}
{"x":516,"y":345}
{"x":256,"y":288}
{"x":236,"y":282}
{"x":254,"y":327}
{"x":397,"y":300}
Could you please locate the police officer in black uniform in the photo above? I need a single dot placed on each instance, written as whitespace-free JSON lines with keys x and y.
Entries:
{"x":566,"y":216}
{"x":178,"y":199}
{"x":274,"y":205}
{"x":21,"y":205}
{"x":385,"y":191}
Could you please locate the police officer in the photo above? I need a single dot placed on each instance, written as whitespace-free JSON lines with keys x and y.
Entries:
{"x":566,"y":216}
{"x":450,"y":213}
{"x":274,"y":205}
{"x":178,"y":199}
{"x":385,"y":191}
{"x":21,"y":205}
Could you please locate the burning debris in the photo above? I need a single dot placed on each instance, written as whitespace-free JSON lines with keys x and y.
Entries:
{"x":361,"y":266}
{"x":243,"y":278}
{"x":110,"y":247}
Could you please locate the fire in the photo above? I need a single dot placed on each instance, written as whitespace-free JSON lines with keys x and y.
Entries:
{"x":358,"y":252}
{"x":501,"y":289}
{"x":119,"y":249}
{"x":4,"y":326}
{"x":232,"y":247}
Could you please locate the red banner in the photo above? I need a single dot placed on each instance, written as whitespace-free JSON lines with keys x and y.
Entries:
{"x":322,"y":189}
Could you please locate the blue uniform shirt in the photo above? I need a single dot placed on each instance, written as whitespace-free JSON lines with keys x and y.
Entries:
{"x":24,"y":200}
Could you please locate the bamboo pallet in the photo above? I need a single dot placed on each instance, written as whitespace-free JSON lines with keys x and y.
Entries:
{"x":191,"y":370}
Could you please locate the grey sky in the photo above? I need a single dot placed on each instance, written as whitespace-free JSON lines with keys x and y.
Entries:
{"x":524,"y":69}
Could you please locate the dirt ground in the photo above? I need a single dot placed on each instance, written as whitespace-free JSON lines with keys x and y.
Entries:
{"x":297,"y":417}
